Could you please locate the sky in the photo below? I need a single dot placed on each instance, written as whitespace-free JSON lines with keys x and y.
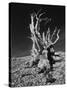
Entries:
{"x":19,"y":20}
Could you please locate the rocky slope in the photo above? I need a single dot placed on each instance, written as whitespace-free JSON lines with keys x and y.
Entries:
{"x":24,"y":75}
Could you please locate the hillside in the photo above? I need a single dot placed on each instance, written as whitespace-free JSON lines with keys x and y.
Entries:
{"x":24,"y":75}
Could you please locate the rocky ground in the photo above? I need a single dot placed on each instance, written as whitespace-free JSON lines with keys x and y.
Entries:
{"x":24,"y":75}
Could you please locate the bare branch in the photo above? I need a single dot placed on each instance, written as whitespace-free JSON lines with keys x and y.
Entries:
{"x":57,"y":37}
{"x":37,"y":26}
{"x":43,"y":19}
{"x":43,"y":36}
{"x":44,"y":40}
{"x":39,"y":11}
{"x":41,"y":14}
{"x":48,"y":35}
{"x":33,"y":32}
{"x":32,"y":25}
{"x":54,"y":33}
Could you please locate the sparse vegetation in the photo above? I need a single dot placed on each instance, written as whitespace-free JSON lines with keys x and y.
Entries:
{"x":23,"y":75}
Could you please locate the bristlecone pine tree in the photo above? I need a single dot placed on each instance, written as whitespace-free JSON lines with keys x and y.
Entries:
{"x":40,"y":40}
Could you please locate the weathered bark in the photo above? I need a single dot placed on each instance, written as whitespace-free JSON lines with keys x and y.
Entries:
{"x":40,"y":42}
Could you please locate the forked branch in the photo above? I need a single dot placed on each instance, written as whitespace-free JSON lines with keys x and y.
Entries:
{"x":57,"y":37}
